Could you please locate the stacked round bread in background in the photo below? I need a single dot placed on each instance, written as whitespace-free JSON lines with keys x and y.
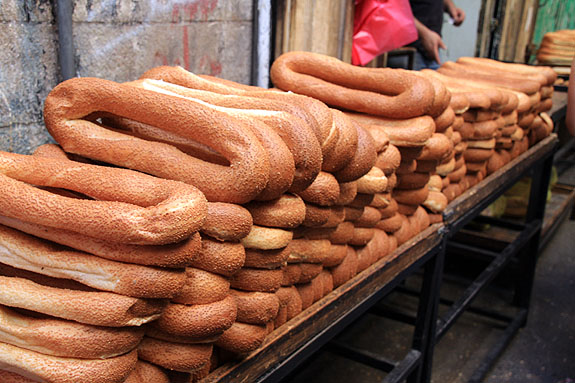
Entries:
{"x":557,"y":48}
{"x":296,"y":194}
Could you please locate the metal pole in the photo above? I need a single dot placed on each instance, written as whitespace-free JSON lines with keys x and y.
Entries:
{"x":64,"y":10}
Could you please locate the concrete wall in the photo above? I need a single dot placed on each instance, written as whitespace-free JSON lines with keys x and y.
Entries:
{"x":116,"y":40}
{"x":461,"y":40}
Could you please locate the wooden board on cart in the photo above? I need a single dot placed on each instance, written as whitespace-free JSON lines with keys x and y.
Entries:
{"x":326,"y":312}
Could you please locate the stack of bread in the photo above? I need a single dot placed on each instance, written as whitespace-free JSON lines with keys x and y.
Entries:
{"x":400,"y":103}
{"x":557,"y":48}
{"x":90,"y":254}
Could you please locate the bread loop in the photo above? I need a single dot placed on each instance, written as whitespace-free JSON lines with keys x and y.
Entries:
{"x":410,"y":132}
{"x":438,"y":147}
{"x":412,"y":196}
{"x":336,"y":256}
{"x":389,"y":160}
{"x":436,"y":202}
{"x":457,"y":174}
{"x":413,"y":180}
{"x":373,"y":182}
{"x":390,"y":225}
{"x":380,"y":139}
{"x":226,"y":222}
{"x":36,"y":367}
{"x":83,"y":341}
{"x":266,"y":259}
{"x":223,"y":258}
{"x":88,"y":307}
{"x":131,"y":207}
{"x":353,"y":213}
{"x":26,"y":252}
{"x":197,"y":321}
{"x":362,"y":160}
{"x":315,"y":215}
{"x":71,"y":101}
{"x":444,"y":169}
{"x":444,"y":120}
{"x":346,"y":145}
{"x":460,"y":102}
{"x":441,"y":97}
{"x":484,"y":130}
{"x":346,"y":269}
{"x":324,"y":190}
{"x":347,"y":192}
{"x":147,"y":372}
{"x":424,"y":166}
{"x":361,"y":236}
{"x":407,"y":167}
{"x":370,"y":217}
{"x":477,"y":154}
{"x":390,"y":210}
{"x":336,"y":216}
{"x":309,"y":271}
{"x":291,"y":274}
{"x":291,"y":296}
{"x":256,"y":307}
{"x":266,"y":238}
{"x":286,"y":212}
{"x":481,"y":144}
{"x":175,"y":356}
{"x":257,"y":280}
{"x":202,"y":287}
{"x":340,"y":84}
{"x":242,"y":338}
{"x":343,"y":233}
{"x":309,"y":250}
{"x":543,"y":75}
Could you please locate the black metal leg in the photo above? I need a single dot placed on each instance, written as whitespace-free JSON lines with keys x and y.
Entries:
{"x":424,"y":333}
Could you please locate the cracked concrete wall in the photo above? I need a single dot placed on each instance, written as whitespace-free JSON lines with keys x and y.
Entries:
{"x":113,"y":39}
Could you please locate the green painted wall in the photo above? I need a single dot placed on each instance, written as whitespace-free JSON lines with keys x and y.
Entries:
{"x":553,"y":15}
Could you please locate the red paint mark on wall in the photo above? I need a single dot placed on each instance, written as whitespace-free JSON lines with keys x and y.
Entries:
{"x":186,"y":47}
{"x":190,"y":8}
{"x":212,"y":66}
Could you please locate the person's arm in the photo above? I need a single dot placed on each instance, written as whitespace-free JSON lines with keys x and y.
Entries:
{"x":570,"y":114}
{"x":457,"y":14}
{"x":430,"y":40}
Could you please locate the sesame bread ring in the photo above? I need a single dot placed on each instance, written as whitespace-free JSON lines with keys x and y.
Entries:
{"x":411,"y":197}
{"x":324,"y":190}
{"x":71,"y":101}
{"x":88,"y":307}
{"x":467,"y":131}
{"x":388,"y":160}
{"x":406,"y":167}
{"x":307,"y":294}
{"x":147,"y":372}
{"x":370,"y":217}
{"x":174,"y":255}
{"x":346,"y":145}
{"x":131,"y":207}
{"x":198,"y":321}
{"x":361,"y":200}
{"x":293,"y":300}
{"x":494,"y":163}
{"x":436,"y":202}
{"x":475,"y":167}
{"x":313,"y":232}
{"x":435,"y":183}
{"x":346,"y":269}
{"x":510,"y":118}
{"x":477,"y":154}
{"x":381,"y":200}
{"x":545,"y":105}
{"x":390,"y":210}
{"x":266,"y":259}
{"x":380,"y":139}
{"x":286,"y":212}
{"x":444,"y":120}
{"x":309,"y":250}
{"x":457,"y":123}
{"x":441,"y":98}
{"x":460,"y":102}
{"x":438,"y":147}
{"x":256,"y":307}
{"x":444,"y":169}
{"x":525,"y":120}
{"x":295,"y":132}
{"x":314,"y":112}
{"x":337,"y":216}
{"x":37,"y":367}
{"x":457,"y":174}
{"x":281,"y":318}
{"x":484,"y":130}
{"x":361,"y":236}
{"x":248,"y":279}
{"x":342,"y":234}
{"x":380,"y":91}
{"x":336,"y":256}
{"x":44,"y":335}
{"x":309,"y":271}
{"x":363,"y":159}
{"x":202,"y":287}
{"x":378,"y":246}
{"x":353,"y":213}
{"x":373,"y":182}
{"x":543,"y":75}
{"x":223,"y":258}
{"x":390,"y":225}
{"x":407,"y":133}
{"x":413,"y":180}
{"x":315,"y":215}
{"x":266,"y":238}
{"x":175,"y":356}
{"x":420,"y":219}
{"x":481,"y":144}
{"x":291,"y":274}
{"x":347,"y":193}
{"x":410,"y":153}
{"x":242,"y":338}
{"x":406,"y":210}
{"x":26,"y":252}
{"x":226,"y":222}
{"x":405,"y":232}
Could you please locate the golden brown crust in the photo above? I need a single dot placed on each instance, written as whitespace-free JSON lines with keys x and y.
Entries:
{"x":309,"y":271}
{"x":147,"y":372}
{"x":389,"y":160}
{"x":287,"y":212}
{"x":411,"y":132}
{"x":202,"y":287}
{"x":316,"y":215}
{"x":46,"y":368}
{"x":309,"y":250}
{"x":226,"y":222}
{"x":72,"y":100}
{"x":390,"y":225}
{"x":346,"y":145}
{"x":197,"y":321}
{"x":373,"y":182}
{"x":266,"y":259}
{"x":89,"y":307}
{"x":362,"y":89}
{"x":324,"y":190}
{"x":242,"y":338}
{"x":248,"y":279}
{"x":256,"y":307}
{"x":363,"y":159}
{"x":223,"y":258}
{"x":347,"y":192}
{"x":267,"y":238}
{"x":175,"y":356}
{"x":131,"y":208}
